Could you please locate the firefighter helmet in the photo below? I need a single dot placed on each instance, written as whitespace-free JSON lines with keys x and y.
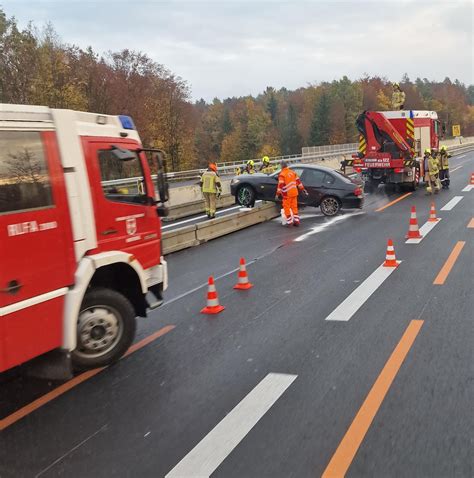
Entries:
{"x":396,"y":85}
{"x":250,"y":162}
{"x":443,"y":148}
{"x":427,"y":151}
{"x":266,"y":160}
{"x":213,"y":167}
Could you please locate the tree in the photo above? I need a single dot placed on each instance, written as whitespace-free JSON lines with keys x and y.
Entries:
{"x":320,"y":125}
{"x":291,"y":141}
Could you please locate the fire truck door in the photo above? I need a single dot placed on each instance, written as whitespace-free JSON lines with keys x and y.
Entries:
{"x":36,"y":250}
{"x":422,"y":134}
{"x":126,"y":220}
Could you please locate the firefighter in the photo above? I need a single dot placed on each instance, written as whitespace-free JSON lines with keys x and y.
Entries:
{"x":211,"y":189}
{"x":444,"y":167}
{"x":266,"y":167}
{"x":398,"y":97}
{"x":288,"y":185}
{"x":433,"y":172}
{"x":250,"y":167}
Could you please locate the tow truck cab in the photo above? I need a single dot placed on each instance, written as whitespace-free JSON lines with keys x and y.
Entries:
{"x":80,"y":236}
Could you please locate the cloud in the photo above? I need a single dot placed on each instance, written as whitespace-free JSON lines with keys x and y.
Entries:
{"x":237,"y":48}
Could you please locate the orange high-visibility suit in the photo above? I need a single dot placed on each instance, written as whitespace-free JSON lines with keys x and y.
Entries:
{"x":288,"y":185}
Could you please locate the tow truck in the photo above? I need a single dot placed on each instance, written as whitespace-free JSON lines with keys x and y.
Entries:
{"x":80,"y":237}
{"x":391,"y":145}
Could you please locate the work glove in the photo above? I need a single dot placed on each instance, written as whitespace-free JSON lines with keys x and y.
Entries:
{"x":306,"y":193}
{"x":277,"y":197}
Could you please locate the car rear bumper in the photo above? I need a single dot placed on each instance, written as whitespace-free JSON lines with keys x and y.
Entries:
{"x":353,"y":203}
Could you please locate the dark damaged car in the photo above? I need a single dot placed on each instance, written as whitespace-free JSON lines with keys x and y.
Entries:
{"x":328,"y":189}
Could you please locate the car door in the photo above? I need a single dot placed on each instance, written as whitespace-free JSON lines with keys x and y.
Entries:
{"x":126,"y":219}
{"x":312,"y":179}
{"x":267,"y":187}
{"x":36,"y":248}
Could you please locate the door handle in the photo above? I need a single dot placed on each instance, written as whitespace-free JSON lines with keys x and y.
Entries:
{"x":109,"y":231}
{"x":13,"y":287}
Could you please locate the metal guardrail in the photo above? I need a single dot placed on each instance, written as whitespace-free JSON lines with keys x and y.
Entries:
{"x":310,"y":155}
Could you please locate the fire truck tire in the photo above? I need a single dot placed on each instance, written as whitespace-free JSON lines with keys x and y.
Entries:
{"x":105,"y":329}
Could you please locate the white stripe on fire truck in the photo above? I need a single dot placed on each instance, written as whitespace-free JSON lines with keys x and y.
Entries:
{"x":39,"y":299}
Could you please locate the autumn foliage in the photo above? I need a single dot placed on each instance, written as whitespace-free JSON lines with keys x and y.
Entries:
{"x":39,"y":68}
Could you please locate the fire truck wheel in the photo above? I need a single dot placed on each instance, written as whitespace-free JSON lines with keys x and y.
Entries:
{"x":105,"y":329}
{"x":330,"y":206}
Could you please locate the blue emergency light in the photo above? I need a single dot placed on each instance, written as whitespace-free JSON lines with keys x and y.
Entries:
{"x":127,"y":122}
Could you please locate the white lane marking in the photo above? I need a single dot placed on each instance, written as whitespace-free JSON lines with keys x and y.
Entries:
{"x":450,"y":205}
{"x":455,"y":169}
{"x":468,"y":188}
{"x":424,"y":230}
{"x":346,"y":309}
{"x":212,"y":450}
{"x":325,"y":225}
{"x":461,"y":156}
{"x":204,"y":216}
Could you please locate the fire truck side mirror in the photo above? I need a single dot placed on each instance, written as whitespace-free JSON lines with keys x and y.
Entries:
{"x":161,"y":182}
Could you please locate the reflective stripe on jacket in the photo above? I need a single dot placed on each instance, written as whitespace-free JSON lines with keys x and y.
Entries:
{"x":288,"y":183}
{"x":210,"y":182}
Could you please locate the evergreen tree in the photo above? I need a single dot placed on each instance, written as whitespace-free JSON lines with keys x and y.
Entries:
{"x":291,"y":140}
{"x":320,"y":125}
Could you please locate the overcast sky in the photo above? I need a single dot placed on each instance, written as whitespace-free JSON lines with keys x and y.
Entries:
{"x":234,"y":48}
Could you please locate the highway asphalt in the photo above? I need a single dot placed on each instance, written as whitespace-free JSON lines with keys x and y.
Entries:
{"x":269,"y":388}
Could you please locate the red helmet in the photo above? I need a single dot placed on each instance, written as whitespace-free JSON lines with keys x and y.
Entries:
{"x":213,"y":167}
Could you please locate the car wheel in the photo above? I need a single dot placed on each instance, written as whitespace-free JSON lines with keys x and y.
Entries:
{"x":246,"y":196}
{"x":330,"y":206}
{"x":105,"y":329}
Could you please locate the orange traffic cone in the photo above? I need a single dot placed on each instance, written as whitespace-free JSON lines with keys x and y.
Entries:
{"x":472,"y":179}
{"x":413,"y":231}
{"x":433,"y":217}
{"x":243,"y":281}
{"x":390,"y":259}
{"x":212,"y":306}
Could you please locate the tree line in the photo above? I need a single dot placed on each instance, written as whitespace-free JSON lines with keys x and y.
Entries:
{"x":37,"y":67}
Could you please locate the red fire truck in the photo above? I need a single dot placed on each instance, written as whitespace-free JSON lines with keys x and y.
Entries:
{"x":391,"y":145}
{"x":80,"y":237}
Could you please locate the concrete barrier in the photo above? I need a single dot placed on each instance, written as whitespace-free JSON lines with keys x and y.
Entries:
{"x":179,"y":239}
{"x":196,"y":234}
{"x":208,"y":230}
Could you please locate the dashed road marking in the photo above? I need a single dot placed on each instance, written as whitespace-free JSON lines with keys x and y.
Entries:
{"x":380,"y":209}
{"x":448,"y":265}
{"x":471,"y":223}
{"x":468,"y":188}
{"x":424,"y":230}
{"x":344,"y":311}
{"x":345,"y":452}
{"x":452,"y":203}
{"x":213,"y":449}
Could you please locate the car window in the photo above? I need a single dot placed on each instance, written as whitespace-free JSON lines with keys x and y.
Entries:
{"x":329,"y":179}
{"x":24,"y":176}
{"x":298,"y":171}
{"x":344,"y":177}
{"x":313,"y":178}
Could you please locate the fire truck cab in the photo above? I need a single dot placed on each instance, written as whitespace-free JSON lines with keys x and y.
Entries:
{"x":391,"y":145}
{"x":80,"y":236}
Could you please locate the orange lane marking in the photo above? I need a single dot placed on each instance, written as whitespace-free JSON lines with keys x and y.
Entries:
{"x":31,"y":407}
{"x":393,"y":202}
{"x":471,"y":223}
{"x":448,"y":265}
{"x":352,"y":440}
